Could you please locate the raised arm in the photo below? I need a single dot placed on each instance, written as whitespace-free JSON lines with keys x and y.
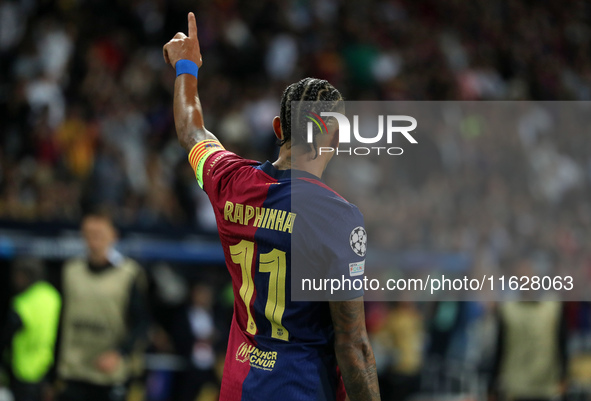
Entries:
{"x":354,"y":354}
{"x":188,"y":116}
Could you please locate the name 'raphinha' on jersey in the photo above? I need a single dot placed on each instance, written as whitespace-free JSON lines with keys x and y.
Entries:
{"x":261,"y":217}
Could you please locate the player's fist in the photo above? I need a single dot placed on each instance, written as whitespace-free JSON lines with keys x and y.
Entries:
{"x":183,"y":47}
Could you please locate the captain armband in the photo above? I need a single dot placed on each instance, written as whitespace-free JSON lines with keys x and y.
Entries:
{"x":199,"y":155}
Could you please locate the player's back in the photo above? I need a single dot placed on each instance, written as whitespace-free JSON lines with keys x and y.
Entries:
{"x":278,"y":349}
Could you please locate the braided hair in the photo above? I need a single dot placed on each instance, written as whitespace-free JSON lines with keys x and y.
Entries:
{"x":306,"y":90}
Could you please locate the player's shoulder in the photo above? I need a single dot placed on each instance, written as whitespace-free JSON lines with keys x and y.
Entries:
{"x":223,"y":166}
{"x":228,"y":158}
{"x":224,"y":162}
{"x":322,"y":209}
{"x":310,"y":197}
{"x":312,"y":193}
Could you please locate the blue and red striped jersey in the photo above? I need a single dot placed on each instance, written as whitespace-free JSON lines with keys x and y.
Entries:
{"x":278,"y":348}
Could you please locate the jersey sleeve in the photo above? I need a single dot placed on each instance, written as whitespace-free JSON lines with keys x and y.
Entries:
{"x":329,"y":245}
{"x":344,"y":247}
{"x":200,"y":153}
{"x":215,"y":168}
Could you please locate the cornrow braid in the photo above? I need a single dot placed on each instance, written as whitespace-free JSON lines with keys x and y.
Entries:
{"x":306,"y":90}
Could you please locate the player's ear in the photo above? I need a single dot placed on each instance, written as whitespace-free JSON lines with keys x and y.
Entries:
{"x":277,"y":128}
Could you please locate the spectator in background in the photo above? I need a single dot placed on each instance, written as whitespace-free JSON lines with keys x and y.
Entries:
{"x":402,"y":336}
{"x":531,"y":356}
{"x":30,"y":331}
{"x":105,"y":318}
{"x":194,"y":334}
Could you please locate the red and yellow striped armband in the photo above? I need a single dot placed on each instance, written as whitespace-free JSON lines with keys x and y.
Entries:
{"x":199,"y":154}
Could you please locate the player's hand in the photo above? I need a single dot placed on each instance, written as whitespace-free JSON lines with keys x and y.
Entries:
{"x":183,"y":47}
{"x":108,"y":361}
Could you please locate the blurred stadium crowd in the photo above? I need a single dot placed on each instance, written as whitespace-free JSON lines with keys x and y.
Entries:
{"x":86,"y":117}
{"x":86,"y":122}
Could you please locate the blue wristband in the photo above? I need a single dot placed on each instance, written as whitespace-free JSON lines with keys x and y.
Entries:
{"x":186,"y":67}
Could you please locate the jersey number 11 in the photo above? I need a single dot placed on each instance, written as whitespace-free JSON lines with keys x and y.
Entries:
{"x":274,"y":263}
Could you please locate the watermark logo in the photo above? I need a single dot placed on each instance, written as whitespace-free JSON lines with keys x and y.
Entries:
{"x":310,"y":115}
{"x":388,"y":124}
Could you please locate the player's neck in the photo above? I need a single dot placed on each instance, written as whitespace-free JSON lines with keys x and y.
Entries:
{"x":288,"y":160}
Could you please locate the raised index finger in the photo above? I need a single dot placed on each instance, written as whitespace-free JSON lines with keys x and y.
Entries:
{"x":192,"y":26}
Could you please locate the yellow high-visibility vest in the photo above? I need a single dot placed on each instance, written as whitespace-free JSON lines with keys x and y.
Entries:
{"x":33,"y":345}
